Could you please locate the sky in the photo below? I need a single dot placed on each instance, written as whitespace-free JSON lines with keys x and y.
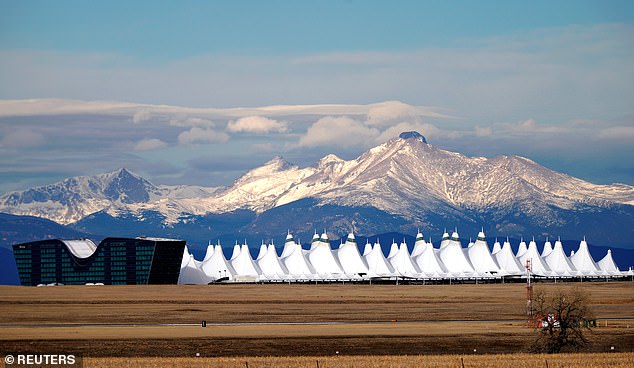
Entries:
{"x":178,"y":91}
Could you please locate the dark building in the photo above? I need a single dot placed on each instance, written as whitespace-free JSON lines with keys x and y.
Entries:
{"x":116,"y":261}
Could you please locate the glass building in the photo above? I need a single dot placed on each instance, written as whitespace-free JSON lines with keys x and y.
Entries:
{"x":116,"y":261}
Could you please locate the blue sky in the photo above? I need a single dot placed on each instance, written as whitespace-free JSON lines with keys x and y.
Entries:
{"x":550,"y":80}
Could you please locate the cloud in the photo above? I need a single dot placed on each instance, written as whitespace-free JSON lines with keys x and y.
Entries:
{"x":386,"y":112}
{"x":338,"y":131}
{"x":141,"y":116}
{"x":617,"y":133}
{"x":202,"y":135}
{"x":257,"y":124}
{"x":22,"y":138}
{"x":192,"y":122}
{"x":149,"y":144}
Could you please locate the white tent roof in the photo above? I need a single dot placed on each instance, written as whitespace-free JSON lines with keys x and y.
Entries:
{"x":289,"y":245}
{"x":243,"y":264}
{"x":559,"y":263}
{"x":419,"y":245}
{"x":480,"y":256}
{"x":236,"y":251}
{"x":507,"y":261}
{"x":454,"y":258}
{"x":496,"y":247}
{"x":393,"y":249}
{"x":349,"y":258}
{"x":270,"y":264}
{"x":217,"y":265}
{"x":297,"y":264}
{"x":583,"y":262}
{"x":538,"y":266}
{"x":608,"y":265}
{"x":367,"y":248}
{"x":402,"y":262}
{"x":191,"y":274}
{"x":377,"y":264}
{"x":548,"y":247}
{"x":185,"y":258}
{"x":521,"y":249}
{"x":263,"y":250}
{"x":429,"y":263}
{"x":209,"y":252}
{"x":322,"y":258}
{"x":445,"y":240}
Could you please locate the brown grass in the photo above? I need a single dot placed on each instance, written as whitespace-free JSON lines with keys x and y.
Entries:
{"x":616,"y":360}
{"x":412,"y":320}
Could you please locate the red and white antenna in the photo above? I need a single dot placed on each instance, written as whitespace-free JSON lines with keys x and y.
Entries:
{"x":529,"y":288}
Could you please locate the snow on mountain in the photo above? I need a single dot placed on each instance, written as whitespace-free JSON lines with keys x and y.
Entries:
{"x":405,"y":176}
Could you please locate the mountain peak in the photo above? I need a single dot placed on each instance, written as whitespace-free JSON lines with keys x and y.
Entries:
{"x":278,"y":162}
{"x":413,"y":135}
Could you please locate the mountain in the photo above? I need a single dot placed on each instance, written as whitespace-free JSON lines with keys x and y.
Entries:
{"x":399,"y":185}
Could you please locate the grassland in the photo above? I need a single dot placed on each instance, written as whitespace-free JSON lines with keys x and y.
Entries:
{"x":613,"y":360}
{"x":406,"y":323}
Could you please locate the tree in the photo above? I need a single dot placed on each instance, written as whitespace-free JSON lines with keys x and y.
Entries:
{"x":560,"y":320}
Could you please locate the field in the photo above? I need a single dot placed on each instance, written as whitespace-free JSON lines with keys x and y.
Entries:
{"x":298,"y":325}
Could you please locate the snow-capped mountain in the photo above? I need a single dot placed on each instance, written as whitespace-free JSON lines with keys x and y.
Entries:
{"x":405,"y":179}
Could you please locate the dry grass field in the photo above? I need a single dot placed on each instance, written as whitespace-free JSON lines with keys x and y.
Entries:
{"x":613,"y":360}
{"x":404,"y":324}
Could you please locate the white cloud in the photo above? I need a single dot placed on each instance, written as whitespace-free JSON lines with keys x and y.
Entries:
{"x":617,"y":133}
{"x":149,"y":144}
{"x":202,"y":135}
{"x":22,"y":138}
{"x":338,"y":131}
{"x":192,"y":122}
{"x":386,"y":112}
{"x":141,"y":116}
{"x":257,"y":124}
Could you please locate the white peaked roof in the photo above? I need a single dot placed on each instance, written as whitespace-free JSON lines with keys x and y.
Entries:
{"x":538,"y":266}
{"x":368,"y":247}
{"x":454,"y":258}
{"x":419,"y":245}
{"x":480,"y":256}
{"x":496,"y":247}
{"x":236,"y":251}
{"x":583,"y":260}
{"x":270,"y":264}
{"x":209,"y":252}
{"x":297,"y":264}
{"x":393,"y":250}
{"x":429,"y":263}
{"x":559,"y":263}
{"x":377,"y":264}
{"x":217,"y":265}
{"x":263,"y":250}
{"x":445,"y":240}
{"x":316,"y":240}
{"x":289,"y":245}
{"x":507,"y":261}
{"x":608,"y":265}
{"x":243,"y":264}
{"x":349,"y":258}
{"x":402,"y":262}
{"x":521,"y":249}
{"x":322,"y":257}
{"x":191,"y":274}
{"x":185,"y":258}
{"x":548,"y":248}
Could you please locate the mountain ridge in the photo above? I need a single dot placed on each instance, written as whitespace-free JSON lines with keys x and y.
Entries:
{"x":406,"y":177}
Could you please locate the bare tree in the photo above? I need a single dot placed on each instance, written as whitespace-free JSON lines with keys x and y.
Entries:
{"x":560,"y":320}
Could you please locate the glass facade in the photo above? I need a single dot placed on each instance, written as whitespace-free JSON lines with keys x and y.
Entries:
{"x":116,"y":261}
